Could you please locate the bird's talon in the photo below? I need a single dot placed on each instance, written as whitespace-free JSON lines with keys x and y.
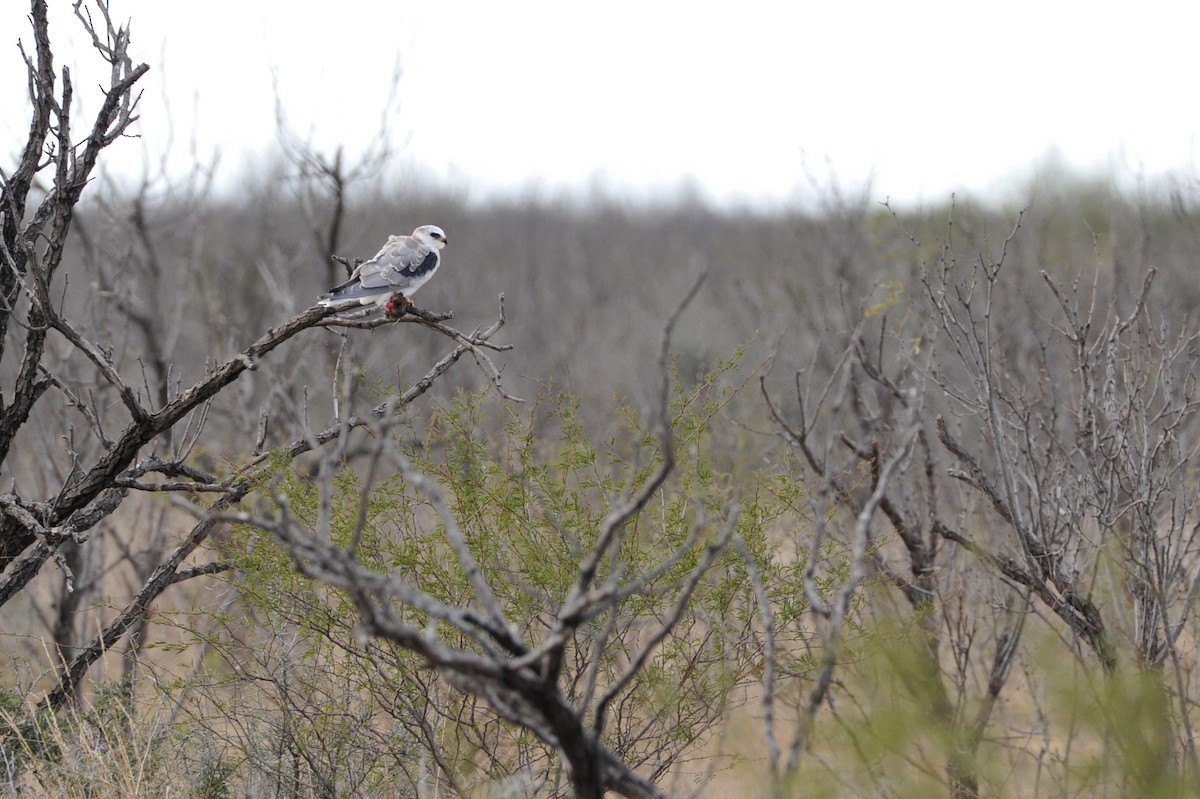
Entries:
{"x":397,"y":306}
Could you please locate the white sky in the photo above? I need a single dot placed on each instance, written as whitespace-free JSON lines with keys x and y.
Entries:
{"x":741,"y":100}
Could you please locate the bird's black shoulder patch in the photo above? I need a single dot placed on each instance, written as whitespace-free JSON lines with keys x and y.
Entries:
{"x":423,"y":268}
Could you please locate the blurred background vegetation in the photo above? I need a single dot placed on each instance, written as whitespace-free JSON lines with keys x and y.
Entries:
{"x":930,"y":524}
{"x":248,"y":684}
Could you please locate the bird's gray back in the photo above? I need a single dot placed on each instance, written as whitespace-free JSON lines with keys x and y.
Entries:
{"x":400,"y":260}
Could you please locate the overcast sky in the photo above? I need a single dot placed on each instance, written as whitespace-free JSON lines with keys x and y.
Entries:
{"x":742,"y":101}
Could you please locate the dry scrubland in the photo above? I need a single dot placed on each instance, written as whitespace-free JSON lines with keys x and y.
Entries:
{"x":895,"y":502}
{"x":253,"y":682}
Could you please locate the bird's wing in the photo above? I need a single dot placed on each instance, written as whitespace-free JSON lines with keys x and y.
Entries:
{"x":394,"y":267}
{"x":347,"y":286}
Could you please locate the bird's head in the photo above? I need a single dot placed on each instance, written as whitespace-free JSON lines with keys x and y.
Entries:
{"x":431,"y":235}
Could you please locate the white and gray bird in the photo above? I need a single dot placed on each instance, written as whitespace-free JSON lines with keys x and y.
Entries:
{"x":403,"y":265}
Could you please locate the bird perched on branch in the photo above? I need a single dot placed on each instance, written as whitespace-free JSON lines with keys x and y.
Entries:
{"x":395,"y":273}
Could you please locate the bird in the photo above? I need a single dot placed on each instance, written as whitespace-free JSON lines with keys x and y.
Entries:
{"x":395,"y":273}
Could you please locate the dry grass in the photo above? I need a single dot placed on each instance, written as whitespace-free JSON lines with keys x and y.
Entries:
{"x":586,"y":290}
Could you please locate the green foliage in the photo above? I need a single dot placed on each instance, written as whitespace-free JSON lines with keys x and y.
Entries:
{"x":894,"y":294}
{"x":215,"y":780}
{"x":529,"y":495}
{"x":1070,"y":731}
